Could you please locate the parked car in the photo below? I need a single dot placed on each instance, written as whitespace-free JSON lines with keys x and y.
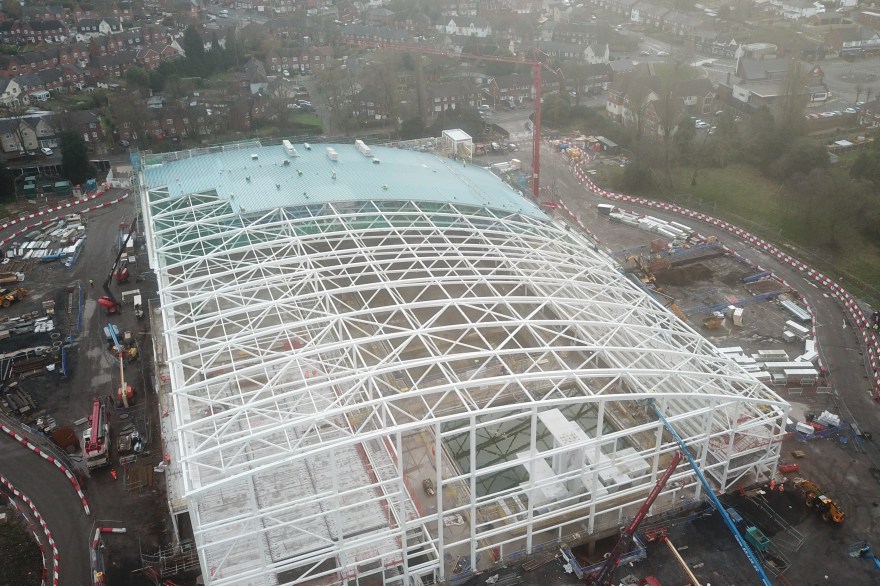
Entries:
{"x":645,"y":53}
{"x":286,"y":73}
{"x":124,"y":144}
{"x":663,"y":53}
{"x":46,"y":151}
{"x":701,"y":124}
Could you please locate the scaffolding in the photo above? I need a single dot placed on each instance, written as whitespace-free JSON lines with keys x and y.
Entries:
{"x":334,"y":332}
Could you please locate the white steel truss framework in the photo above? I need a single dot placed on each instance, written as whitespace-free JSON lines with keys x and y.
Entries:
{"x":327,"y":360}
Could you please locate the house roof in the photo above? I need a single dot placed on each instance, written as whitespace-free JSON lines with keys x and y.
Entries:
{"x":28,"y":81}
{"x":756,"y":69}
{"x":452,"y":89}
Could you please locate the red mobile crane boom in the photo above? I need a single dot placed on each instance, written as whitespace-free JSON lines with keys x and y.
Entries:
{"x":603,"y":577}
{"x":536,"y":74}
{"x":96,"y":436}
{"x":97,"y":426}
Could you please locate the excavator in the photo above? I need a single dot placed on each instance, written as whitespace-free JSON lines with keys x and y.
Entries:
{"x":815,"y":498}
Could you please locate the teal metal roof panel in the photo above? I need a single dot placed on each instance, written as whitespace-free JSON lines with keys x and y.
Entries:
{"x":257,"y":178}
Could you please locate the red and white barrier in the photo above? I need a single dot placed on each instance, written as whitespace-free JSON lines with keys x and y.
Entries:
{"x":36,"y":514}
{"x":30,"y":227}
{"x":93,"y":552}
{"x":872,"y":344}
{"x":49,"y":458}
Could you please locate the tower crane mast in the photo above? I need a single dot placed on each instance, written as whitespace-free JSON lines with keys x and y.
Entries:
{"x":536,"y":66}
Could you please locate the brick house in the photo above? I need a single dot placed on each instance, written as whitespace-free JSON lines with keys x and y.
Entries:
{"x":453,"y":95}
{"x":111,"y":66}
{"x":19,"y":32}
{"x":148,"y":58}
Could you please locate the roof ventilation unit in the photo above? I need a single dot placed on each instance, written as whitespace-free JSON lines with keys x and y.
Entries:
{"x":289,"y":148}
{"x":363,"y":148}
{"x":332,"y":154}
{"x":308,"y":146}
{"x":254,"y":157}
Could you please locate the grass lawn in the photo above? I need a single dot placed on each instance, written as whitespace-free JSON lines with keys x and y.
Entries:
{"x":681,"y":72}
{"x":746,"y":198}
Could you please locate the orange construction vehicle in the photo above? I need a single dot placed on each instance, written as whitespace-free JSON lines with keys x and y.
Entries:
{"x":815,"y":498}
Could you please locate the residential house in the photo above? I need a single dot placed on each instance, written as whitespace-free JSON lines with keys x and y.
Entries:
{"x":844,"y":41}
{"x":52,"y":79}
{"x":762,"y":82}
{"x":87,"y":28}
{"x":593,"y":53}
{"x":10,"y":93}
{"x":18,"y":135}
{"x":455,"y":95}
{"x":148,"y":58}
{"x":473,"y":27}
{"x":111,"y":66}
{"x":279,"y":61}
{"x":74,"y":77}
{"x":682,"y":24}
{"x":458,"y":7}
{"x":30,"y":83}
{"x":84,"y":122}
{"x":597,"y":77}
{"x":619,"y":67}
{"x":45,"y":12}
{"x":580,"y":34}
{"x":375,"y":34}
{"x":721,"y":45}
{"x":511,"y":89}
{"x":254,"y":76}
{"x":870,"y":41}
{"x":622,"y":7}
{"x":649,"y":14}
{"x":640,"y":97}
{"x":797,"y":9}
{"x":21,"y":32}
{"x":318,"y":58}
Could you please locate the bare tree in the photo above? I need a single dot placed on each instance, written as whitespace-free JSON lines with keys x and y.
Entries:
{"x":793,"y":102}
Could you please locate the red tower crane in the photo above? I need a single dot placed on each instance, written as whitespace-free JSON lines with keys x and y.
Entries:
{"x":536,"y":75}
{"x":603,"y":576}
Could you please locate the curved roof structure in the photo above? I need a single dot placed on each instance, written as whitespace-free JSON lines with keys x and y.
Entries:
{"x":387,"y":368}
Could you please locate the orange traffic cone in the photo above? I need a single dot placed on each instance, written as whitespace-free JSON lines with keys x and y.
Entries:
{"x":113,"y":473}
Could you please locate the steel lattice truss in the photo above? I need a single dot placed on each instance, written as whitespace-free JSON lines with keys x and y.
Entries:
{"x":311,"y":348}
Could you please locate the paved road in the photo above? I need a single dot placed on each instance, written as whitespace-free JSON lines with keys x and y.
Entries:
{"x":62,"y":510}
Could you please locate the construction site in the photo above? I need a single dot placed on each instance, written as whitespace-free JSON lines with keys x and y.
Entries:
{"x":292,"y":361}
{"x":293,"y":364}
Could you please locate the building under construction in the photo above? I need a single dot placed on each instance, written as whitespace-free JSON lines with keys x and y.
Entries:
{"x":385,"y":366}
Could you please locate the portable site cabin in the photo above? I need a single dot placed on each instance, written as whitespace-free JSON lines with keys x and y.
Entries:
{"x":63,"y":188}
